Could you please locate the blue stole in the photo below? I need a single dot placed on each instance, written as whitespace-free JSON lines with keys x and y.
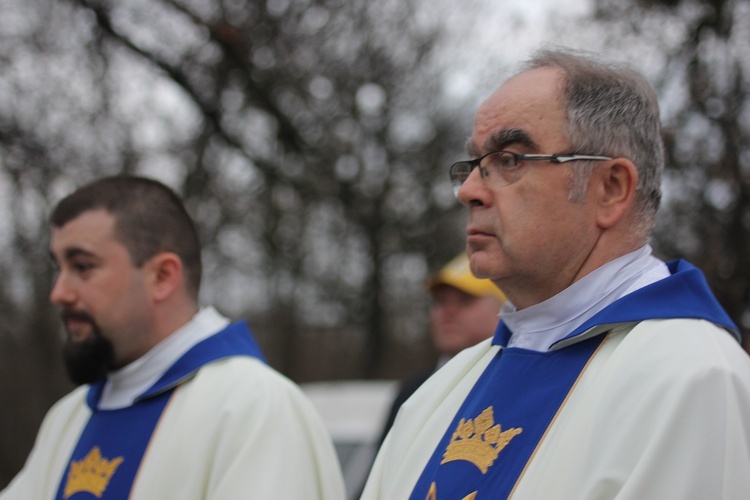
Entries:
{"x":111,"y":447}
{"x":506,"y":415}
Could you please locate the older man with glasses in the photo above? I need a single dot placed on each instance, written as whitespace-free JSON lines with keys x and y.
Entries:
{"x":612,"y":374}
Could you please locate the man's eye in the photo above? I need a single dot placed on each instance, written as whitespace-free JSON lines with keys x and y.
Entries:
{"x":500,"y":162}
{"x":82,"y":267}
{"x":507,"y":162}
{"x":503,"y":162}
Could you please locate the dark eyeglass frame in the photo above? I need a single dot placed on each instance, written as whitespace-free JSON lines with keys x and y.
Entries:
{"x":459,"y":172}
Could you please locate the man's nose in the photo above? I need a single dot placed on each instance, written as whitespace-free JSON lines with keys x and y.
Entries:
{"x":61,"y":292}
{"x":474,"y":190}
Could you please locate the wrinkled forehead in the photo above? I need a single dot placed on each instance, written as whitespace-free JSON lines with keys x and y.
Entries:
{"x":526,"y":111}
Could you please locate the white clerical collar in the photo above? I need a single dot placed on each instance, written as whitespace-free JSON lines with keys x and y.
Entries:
{"x":126,"y":384}
{"x":539,"y":326}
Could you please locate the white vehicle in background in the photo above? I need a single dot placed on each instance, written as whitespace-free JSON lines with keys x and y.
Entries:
{"x":354,"y":411}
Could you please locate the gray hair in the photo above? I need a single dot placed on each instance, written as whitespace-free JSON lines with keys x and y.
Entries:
{"x":612,"y":110}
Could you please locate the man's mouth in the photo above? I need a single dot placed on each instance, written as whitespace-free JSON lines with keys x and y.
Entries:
{"x":474,"y":233}
{"x":77,"y":324}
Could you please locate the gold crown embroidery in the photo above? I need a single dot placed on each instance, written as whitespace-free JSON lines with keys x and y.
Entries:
{"x":92,"y":474}
{"x":478,"y":441}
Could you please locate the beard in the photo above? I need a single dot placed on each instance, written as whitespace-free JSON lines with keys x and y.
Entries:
{"x":88,"y":360}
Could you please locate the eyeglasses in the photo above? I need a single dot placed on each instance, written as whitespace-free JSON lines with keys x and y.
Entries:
{"x":500,"y":168}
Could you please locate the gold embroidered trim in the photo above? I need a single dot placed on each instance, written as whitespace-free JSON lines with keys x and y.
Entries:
{"x":92,"y":474}
{"x":479,"y":441}
{"x":432,"y":494}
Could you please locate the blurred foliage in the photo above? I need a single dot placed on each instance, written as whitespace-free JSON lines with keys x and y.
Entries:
{"x":303,"y":135}
{"x":310,"y":140}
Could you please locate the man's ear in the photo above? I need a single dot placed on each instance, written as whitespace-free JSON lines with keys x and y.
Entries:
{"x":616,"y":181}
{"x":165,"y":276}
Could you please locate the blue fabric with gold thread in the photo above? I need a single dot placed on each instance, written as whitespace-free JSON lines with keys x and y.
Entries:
{"x":505,"y":416}
{"x":109,"y":452}
{"x":489,"y":442}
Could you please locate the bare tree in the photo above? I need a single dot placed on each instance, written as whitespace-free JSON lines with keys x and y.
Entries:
{"x":303,"y":135}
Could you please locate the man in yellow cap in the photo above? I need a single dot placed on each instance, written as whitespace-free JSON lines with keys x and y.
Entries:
{"x":464,"y":308}
{"x":464,"y":312}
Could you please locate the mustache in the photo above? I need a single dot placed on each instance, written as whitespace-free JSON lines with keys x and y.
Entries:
{"x":67,"y":314}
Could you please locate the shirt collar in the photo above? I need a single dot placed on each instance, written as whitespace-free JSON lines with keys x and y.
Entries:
{"x":126,"y":384}
{"x":539,"y":326}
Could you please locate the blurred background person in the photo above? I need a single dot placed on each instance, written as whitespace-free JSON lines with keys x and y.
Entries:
{"x":464,"y":312}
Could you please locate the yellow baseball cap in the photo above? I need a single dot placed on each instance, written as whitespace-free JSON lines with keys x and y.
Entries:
{"x":457,"y":274}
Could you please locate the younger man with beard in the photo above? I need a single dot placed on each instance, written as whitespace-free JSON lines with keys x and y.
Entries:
{"x":178,"y":402}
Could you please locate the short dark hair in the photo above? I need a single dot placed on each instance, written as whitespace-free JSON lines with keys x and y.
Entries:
{"x":149,"y":218}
